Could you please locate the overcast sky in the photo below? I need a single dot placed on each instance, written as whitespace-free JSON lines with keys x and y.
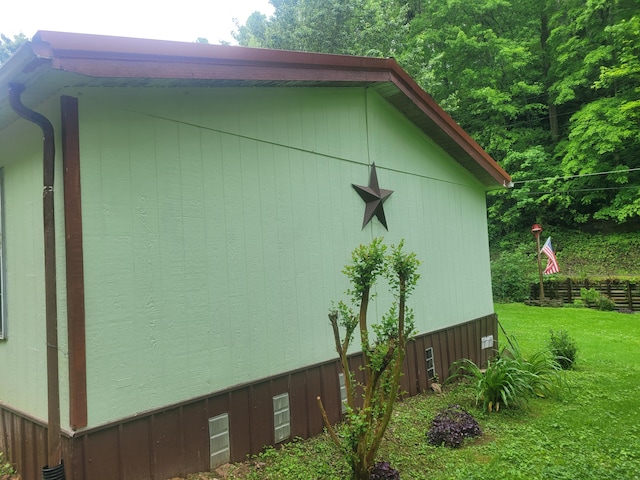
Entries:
{"x":181,"y":20}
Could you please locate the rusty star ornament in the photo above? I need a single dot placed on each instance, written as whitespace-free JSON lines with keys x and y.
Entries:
{"x":374,"y":198}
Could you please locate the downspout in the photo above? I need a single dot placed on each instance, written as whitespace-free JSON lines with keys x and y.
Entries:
{"x":55,"y":468}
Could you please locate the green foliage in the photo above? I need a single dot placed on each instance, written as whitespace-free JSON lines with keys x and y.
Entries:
{"x":512,"y":273}
{"x":563,"y":348}
{"x":356,"y":27}
{"x":590,"y":296}
{"x":579,"y":254}
{"x":5,"y":466}
{"x":588,"y":254}
{"x":510,"y":379}
{"x":359,"y":437}
{"x":593,"y":298}
{"x":8,"y":45}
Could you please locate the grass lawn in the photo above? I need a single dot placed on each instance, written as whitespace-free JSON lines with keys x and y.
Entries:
{"x":592,"y":431}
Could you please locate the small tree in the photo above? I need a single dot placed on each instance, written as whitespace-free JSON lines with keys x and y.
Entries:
{"x":366,"y":421}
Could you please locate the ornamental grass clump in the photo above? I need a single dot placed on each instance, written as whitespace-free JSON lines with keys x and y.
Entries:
{"x":510,"y":379}
{"x":451,"y":426}
{"x":563,"y":348}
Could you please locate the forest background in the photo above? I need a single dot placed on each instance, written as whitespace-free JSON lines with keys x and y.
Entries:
{"x":549,"y":88}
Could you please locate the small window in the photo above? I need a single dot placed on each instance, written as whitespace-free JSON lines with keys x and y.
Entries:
{"x":281,"y":417}
{"x":431,"y":364}
{"x":3,"y":291}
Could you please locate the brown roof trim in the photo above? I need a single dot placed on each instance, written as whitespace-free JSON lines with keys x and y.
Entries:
{"x":430,"y":108}
{"x":100,"y":56}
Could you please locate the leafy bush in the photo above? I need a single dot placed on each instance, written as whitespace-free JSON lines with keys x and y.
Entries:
{"x":590,"y":296}
{"x":510,"y":379}
{"x":384,"y":471}
{"x":451,"y":426}
{"x":511,"y":275}
{"x":606,"y":304}
{"x":5,"y":466}
{"x":564,"y":349}
{"x":578,"y":303}
{"x":594,"y":298}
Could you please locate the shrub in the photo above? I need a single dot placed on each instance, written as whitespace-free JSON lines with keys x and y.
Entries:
{"x":594,"y":298}
{"x":511,"y":275}
{"x":451,"y":426}
{"x":564,"y":349}
{"x":384,"y":471}
{"x":606,"y":304}
{"x":510,"y":379}
{"x":590,"y":296}
{"x":504,"y":381}
{"x":360,"y":435}
{"x":5,"y":466}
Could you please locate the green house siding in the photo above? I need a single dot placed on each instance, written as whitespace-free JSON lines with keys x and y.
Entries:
{"x":22,"y":353}
{"x":217,"y":221}
{"x":23,"y":366}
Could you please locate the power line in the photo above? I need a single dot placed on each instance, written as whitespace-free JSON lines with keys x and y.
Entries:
{"x":569,"y":177}
{"x":578,"y":190}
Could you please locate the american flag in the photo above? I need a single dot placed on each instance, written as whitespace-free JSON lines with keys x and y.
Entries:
{"x":552,"y":262}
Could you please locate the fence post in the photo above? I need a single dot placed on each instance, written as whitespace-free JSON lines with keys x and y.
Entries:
{"x":629,"y":296}
{"x":569,"y":293}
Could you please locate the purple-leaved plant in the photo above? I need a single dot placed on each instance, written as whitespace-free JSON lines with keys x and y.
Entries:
{"x":384,"y":471}
{"x":451,"y":426}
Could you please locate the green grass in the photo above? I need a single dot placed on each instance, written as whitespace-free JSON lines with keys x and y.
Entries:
{"x":592,"y":431}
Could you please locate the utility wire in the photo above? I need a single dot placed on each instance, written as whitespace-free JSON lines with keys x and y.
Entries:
{"x":567,"y":192}
{"x":569,"y":177}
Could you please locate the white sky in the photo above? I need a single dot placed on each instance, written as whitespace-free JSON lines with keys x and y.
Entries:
{"x":181,"y":20}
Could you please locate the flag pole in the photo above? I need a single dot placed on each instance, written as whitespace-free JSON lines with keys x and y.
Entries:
{"x":537,"y":230}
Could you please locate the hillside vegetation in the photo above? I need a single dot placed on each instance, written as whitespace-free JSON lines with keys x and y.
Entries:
{"x":580,"y":256}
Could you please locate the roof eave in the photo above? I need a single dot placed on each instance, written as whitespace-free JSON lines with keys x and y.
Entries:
{"x":97,"y":56}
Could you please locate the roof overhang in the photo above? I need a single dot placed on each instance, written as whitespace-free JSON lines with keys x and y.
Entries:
{"x":54,"y":60}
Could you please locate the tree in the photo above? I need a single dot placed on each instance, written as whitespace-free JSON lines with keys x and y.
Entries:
{"x":8,"y":46}
{"x":352,"y":27}
{"x":598,"y":72}
{"x":383,"y":357}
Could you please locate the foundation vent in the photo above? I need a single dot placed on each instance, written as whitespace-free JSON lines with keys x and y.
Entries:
{"x":219,"y":450}
{"x":487,"y":342}
{"x":431,"y":364}
{"x":343,"y":393}
{"x":281,"y":417}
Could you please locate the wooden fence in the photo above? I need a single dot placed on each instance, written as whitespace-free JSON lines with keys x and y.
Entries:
{"x":625,"y":293}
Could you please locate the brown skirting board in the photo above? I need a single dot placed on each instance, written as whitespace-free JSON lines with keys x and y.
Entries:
{"x":174,"y":440}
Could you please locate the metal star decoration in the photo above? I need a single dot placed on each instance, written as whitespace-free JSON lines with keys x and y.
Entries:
{"x":374,"y":197}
